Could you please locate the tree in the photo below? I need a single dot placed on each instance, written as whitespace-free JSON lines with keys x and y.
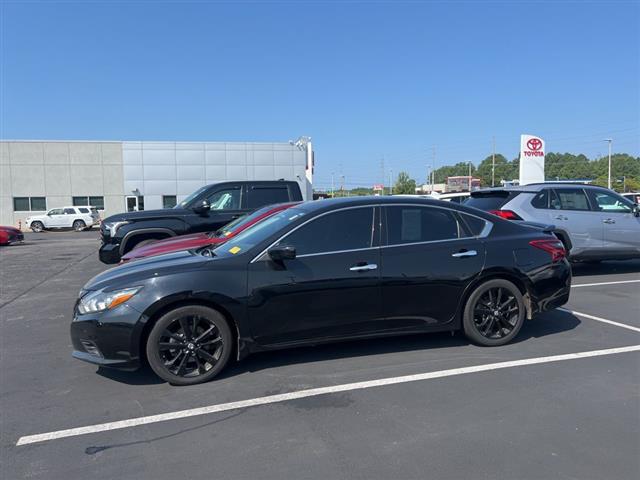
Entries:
{"x":404,"y":184}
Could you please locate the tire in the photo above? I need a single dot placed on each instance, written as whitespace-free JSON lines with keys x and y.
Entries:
{"x":79,"y":225}
{"x":195,"y":359}
{"x":488,"y":319}
{"x":37,"y":226}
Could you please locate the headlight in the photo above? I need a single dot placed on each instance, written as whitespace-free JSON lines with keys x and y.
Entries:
{"x":114,"y":226}
{"x":98,"y":301}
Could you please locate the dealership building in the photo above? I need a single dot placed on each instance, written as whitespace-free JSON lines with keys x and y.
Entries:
{"x":119,"y":176}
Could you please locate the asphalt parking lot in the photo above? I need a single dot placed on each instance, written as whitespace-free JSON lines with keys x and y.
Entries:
{"x":432,"y":406}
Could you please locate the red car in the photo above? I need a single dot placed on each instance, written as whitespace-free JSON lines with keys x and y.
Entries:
{"x":10,"y":235}
{"x":197,"y":240}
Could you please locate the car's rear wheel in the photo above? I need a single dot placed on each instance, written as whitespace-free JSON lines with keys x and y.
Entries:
{"x":79,"y":225}
{"x":189,"y":345}
{"x":37,"y":226}
{"x":494,"y":313}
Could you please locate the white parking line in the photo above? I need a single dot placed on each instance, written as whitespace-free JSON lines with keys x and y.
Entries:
{"x":134,"y":422}
{"x":603,"y":283}
{"x":600,"y":319}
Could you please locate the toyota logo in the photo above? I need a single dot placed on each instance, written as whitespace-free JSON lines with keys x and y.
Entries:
{"x":534,"y":144}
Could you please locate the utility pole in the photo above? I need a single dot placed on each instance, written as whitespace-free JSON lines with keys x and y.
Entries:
{"x":391,"y":182}
{"x":382,"y":174}
{"x":609,"y":140}
{"x":469,"y":176}
{"x":433,"y":168}
{"x":332,"y":186}
{"x":342,"y":185}
{"x":493,"y":163}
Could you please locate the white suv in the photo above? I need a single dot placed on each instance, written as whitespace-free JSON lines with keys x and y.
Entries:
{"x":78,"y":218}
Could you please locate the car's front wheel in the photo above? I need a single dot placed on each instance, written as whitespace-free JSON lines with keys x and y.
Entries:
{"x":189,"y":345}
{"x":79,"y":225}
{"x":494,"y":313}
{"x":37,"y":226}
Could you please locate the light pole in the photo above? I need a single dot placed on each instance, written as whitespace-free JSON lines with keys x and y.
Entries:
{"x":332,"y":186}
{"x":609,"y":140}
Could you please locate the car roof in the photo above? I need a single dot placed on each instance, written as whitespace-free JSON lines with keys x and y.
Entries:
{"x":536,"y":187}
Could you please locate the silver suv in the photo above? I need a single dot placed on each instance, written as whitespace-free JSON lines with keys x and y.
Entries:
{"x":593,"y":222}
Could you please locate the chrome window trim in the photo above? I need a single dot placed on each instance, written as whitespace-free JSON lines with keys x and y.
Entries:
{"x":488,"y":226}
{"x":263,"y":252}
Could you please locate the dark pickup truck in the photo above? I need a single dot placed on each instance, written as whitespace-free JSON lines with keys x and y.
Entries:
{"x":206,"y":209}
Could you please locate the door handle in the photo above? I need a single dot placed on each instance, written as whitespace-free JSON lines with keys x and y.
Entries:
{"x":364,"y":268}
{"x":609,"y":221}
{"x":466,"y":253}
{"x":560,"y":217}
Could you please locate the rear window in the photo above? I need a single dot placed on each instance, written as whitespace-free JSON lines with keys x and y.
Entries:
{"x":261,"y":196}
{"x":490,"y":201}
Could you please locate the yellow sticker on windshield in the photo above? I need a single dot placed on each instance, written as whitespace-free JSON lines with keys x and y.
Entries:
{"x":234,"y":250}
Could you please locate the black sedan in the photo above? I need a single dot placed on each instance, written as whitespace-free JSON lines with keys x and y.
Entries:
{"x":321,"y":272}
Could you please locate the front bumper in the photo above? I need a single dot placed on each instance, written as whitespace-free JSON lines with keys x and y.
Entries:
{"x":108,"y":339}
{"x":15,"y":238}
{"x":109,"y":253}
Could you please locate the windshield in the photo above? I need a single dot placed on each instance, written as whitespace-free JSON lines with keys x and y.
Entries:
{"x":258,"y":233}
{"x":184,"y":203}
{"x":231,"y":226}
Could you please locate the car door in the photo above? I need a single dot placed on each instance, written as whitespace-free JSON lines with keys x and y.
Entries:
{"x":570,"y":210}
{"x":331,"y":289}
{"x":55,"y":218}
{"x":429,"y":256}
{"x":621,"y":228}
{"x":70,"y":216}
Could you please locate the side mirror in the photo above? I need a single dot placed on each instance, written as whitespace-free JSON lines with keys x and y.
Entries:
{"x":202,"y":207}
{"x":282,"y":252}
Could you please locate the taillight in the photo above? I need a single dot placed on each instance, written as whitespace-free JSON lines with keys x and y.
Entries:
{"x":552,"y":246}
{"x":506,"y":214}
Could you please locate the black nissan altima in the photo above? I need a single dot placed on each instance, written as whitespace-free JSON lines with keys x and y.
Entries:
{"x":321,"y":272}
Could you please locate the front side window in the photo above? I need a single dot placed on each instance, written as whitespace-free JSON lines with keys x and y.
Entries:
{"x":228,"y":199}
{"x":187,"y":201}
{"x":571,"y":199}
{"x":408,"y":224}
{"x":349,"y":229}
{"x":606,"y":202}
{"x":260,"y":196}
{"x":56,"y":211}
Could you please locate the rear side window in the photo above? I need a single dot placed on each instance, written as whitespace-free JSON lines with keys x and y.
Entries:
{"x":84,"y":210}
{"x":69,"y":211}
{"x":261,"y":196}
{"x":571,"y":199}
{"x":474,"y":224}
{"x":541,"y":199}
{"x":490,"y":201}
{"x":342,"y":230}
{"x":420,"y":224}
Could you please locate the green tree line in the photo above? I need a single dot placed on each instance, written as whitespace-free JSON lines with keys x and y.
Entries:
{"x":625,"y":169}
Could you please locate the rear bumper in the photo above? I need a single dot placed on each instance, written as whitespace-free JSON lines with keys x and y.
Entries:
{"x":551,"y":287}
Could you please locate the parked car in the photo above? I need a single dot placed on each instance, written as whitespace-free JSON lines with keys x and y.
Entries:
{"x":10,"y":236}
{"x":633,"y":196}
{"x":78,"y":218}
{"x":205,"y":210}
{"x":597,"y":223}
{"x":197,"y":240}
{"x":319,"y":272}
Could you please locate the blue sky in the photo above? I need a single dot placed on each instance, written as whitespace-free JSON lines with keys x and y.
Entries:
{"x":366,"y":80}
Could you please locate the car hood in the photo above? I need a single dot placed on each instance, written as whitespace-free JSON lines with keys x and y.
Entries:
{"x":9,"y":229}
{"x":130,"y":273}
{"x":148,"y":214}
{"x":173,"y":244}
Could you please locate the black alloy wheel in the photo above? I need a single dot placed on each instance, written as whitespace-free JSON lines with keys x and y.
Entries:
{"x":189,"y":345}
{"x":494,"y":313}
